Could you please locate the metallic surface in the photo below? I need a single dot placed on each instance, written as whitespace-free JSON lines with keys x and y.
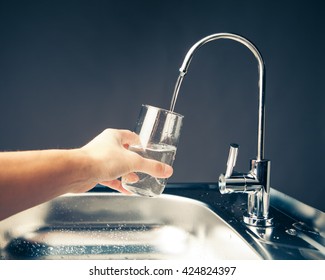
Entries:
{"x":256,"y":182}
{"x":261,"y":73}
{"x":189,"y":221}
{"x":112,"y":226}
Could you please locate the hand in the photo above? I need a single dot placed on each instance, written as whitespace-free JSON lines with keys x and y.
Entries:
{"x":111,"y":159}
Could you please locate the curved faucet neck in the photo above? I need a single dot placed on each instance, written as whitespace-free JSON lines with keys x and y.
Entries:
{"x":261,"y":84}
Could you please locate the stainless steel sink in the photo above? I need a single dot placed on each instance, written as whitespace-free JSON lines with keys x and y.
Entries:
{"x":113,"y":226}
{"x":190,"y":221}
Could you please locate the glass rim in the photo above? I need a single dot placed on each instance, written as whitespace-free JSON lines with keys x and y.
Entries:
{"x":164,"y":110}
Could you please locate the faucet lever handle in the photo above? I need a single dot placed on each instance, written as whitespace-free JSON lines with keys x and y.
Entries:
{"x":232,"y":158}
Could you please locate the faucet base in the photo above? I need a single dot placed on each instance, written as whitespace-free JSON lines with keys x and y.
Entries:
{"x":257,"y":222}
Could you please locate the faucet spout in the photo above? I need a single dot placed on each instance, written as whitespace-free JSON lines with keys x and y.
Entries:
{"x":256,"y":181}
{"x":261,"y":73}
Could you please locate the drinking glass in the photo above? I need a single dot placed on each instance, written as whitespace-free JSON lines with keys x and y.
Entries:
{"x":159,"y":132}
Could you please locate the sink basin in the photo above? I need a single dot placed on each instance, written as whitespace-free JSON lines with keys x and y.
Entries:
{"x":115,"y":226}
{"x":189,"y":221}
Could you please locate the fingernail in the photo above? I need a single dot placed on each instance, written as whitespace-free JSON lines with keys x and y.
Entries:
{"x":168,"y":170}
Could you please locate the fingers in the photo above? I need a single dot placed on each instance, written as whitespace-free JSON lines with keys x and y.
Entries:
{"x":131,"y":178}
{"x":128,"y":138}
{"x":109,"y":150}
{"x":151,"y":167}
{"x":115,"y":185}
{"x":154,"y":168}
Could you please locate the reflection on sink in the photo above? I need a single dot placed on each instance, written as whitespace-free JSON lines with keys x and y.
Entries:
{"x":114,"y":226}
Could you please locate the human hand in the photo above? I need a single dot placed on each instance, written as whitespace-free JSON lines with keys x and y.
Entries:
{"x":111,"y":159}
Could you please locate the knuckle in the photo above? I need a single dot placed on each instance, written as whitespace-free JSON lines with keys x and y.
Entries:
{"x":160,"y":167}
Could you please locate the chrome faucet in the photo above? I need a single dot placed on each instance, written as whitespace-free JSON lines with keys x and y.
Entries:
{"x":256,"y":183}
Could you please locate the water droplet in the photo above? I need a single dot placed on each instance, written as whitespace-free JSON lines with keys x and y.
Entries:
{"x":291,"y":231}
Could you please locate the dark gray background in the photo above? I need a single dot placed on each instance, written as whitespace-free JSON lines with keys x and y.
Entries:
{"x":69,"y":69}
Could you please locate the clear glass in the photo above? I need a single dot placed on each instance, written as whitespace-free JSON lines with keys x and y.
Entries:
{"x":159,"y":132}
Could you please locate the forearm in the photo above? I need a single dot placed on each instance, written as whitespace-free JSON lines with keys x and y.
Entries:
{"x":32,"y":177}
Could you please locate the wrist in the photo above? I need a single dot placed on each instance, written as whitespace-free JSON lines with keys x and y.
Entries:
{"x":88,"y":166}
